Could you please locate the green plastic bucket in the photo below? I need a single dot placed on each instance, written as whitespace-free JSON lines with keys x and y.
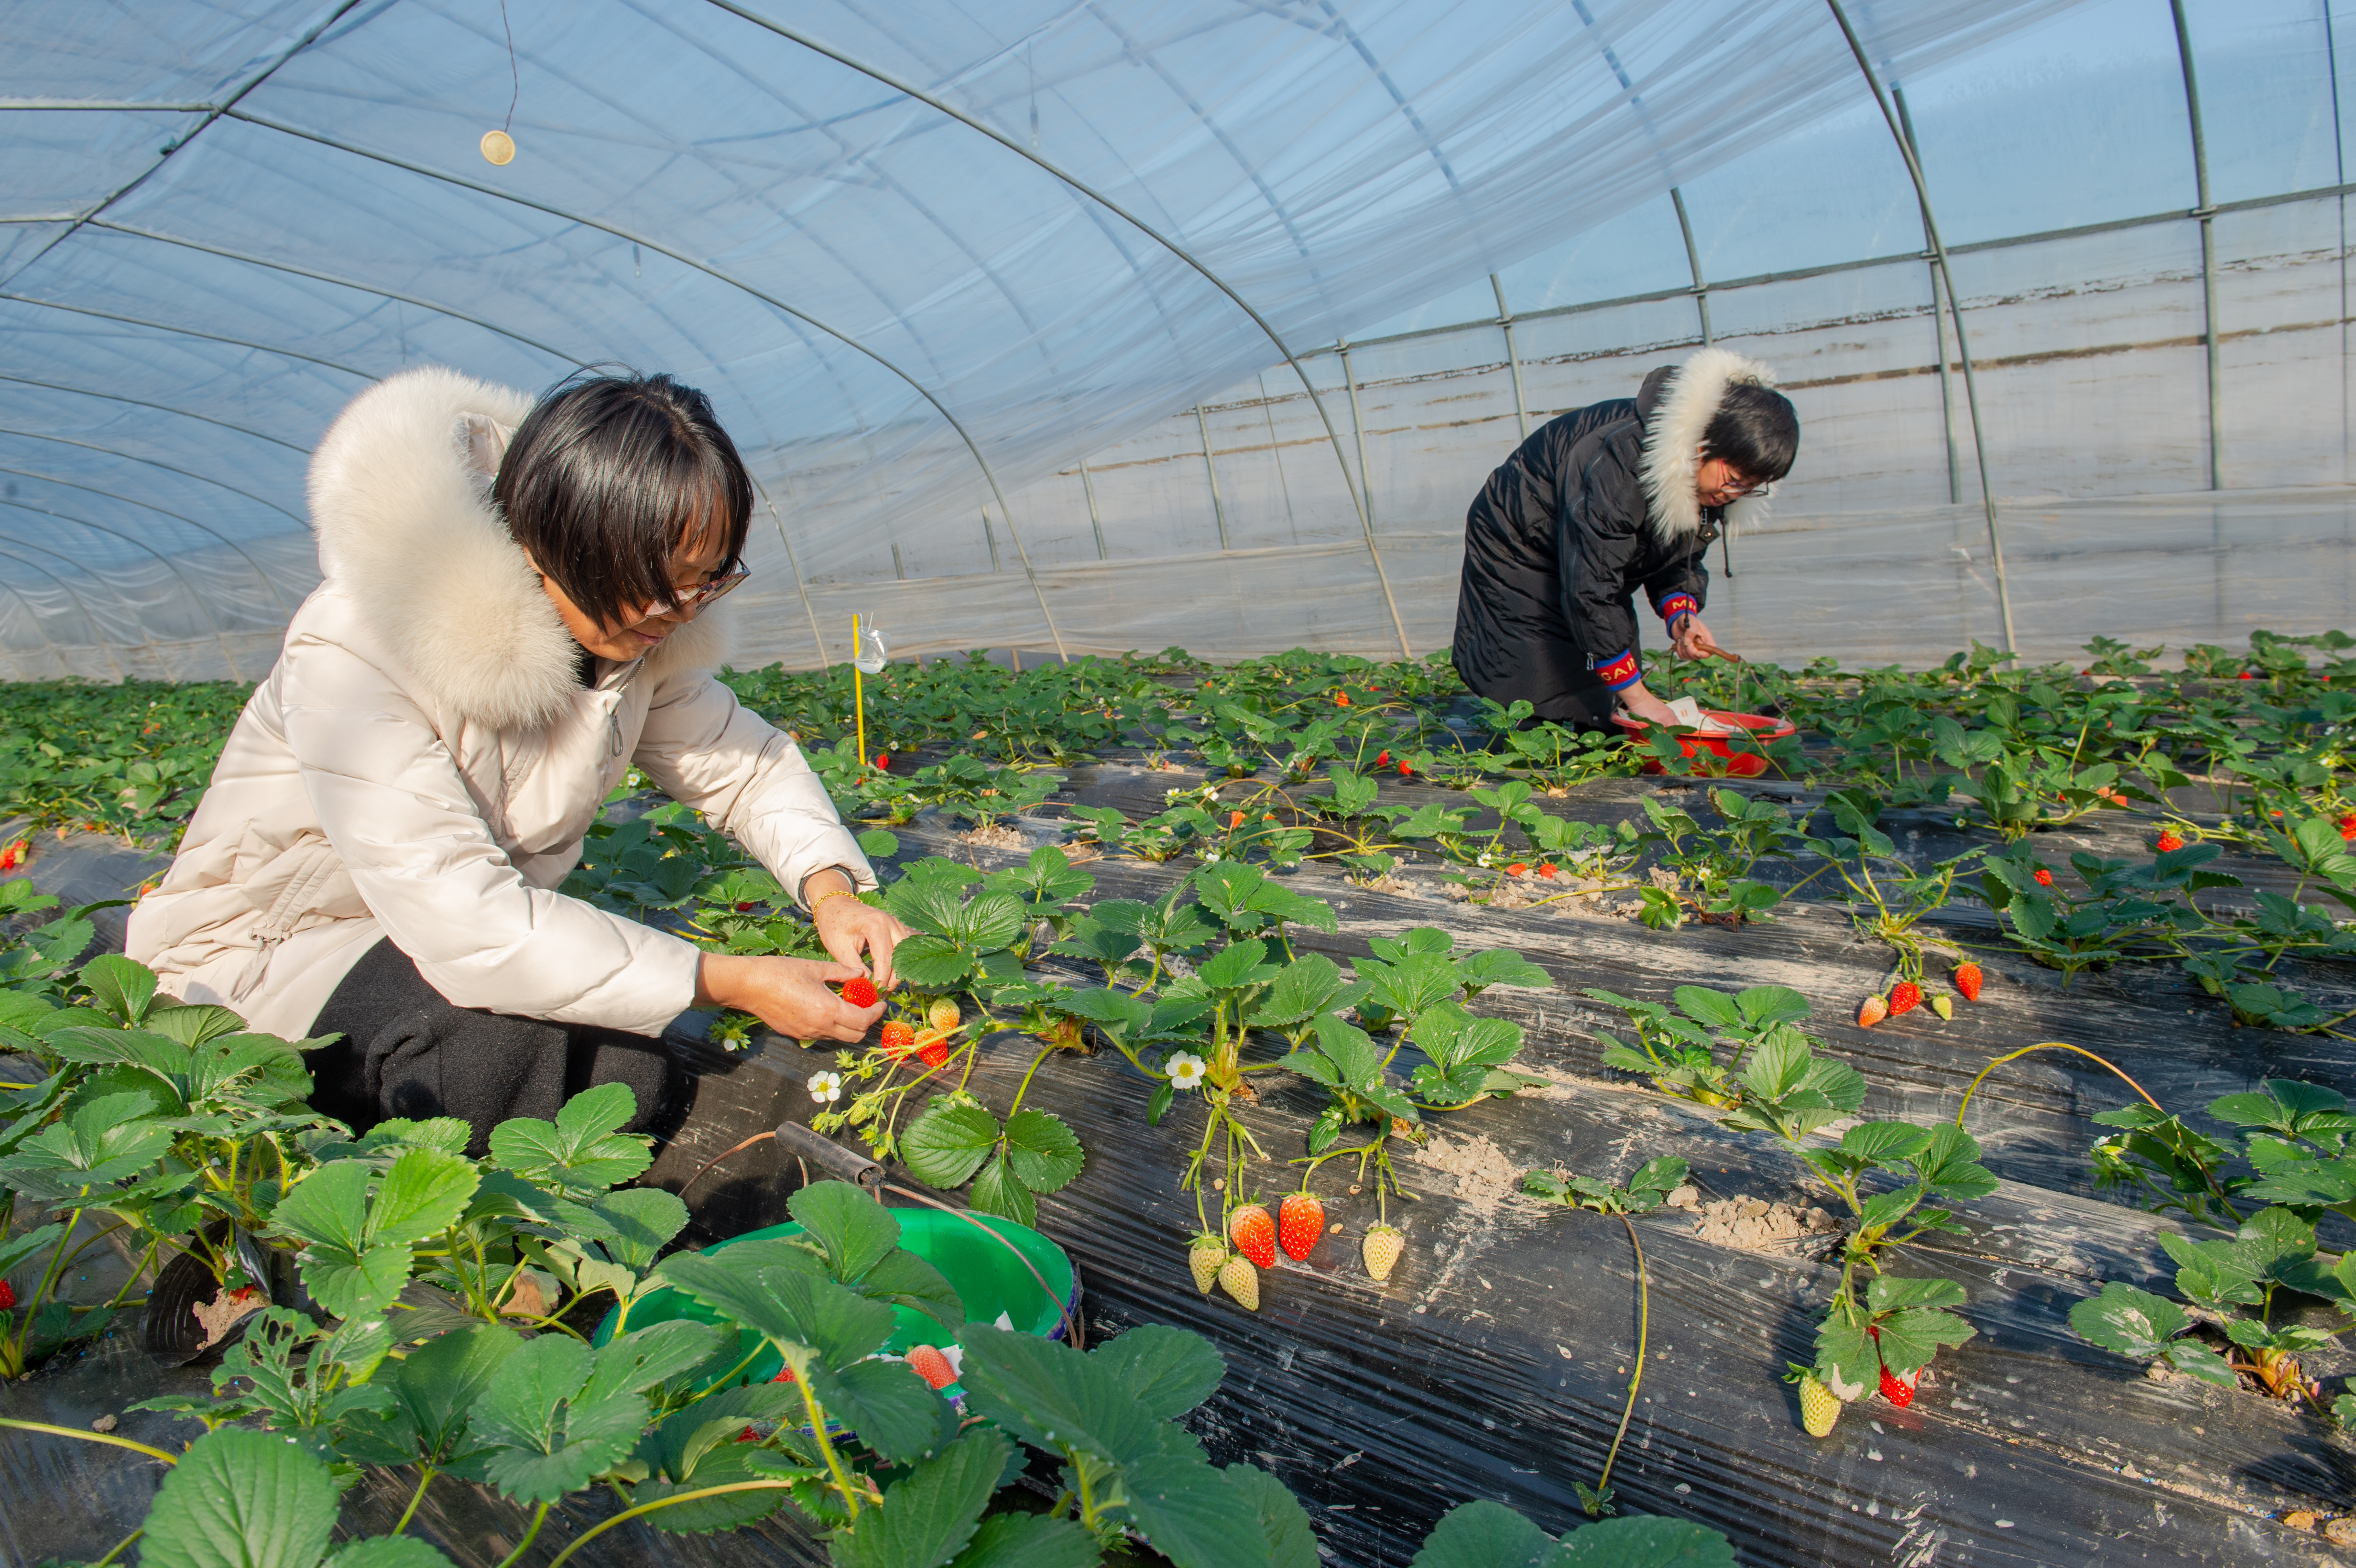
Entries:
{"x":984,"y":1271}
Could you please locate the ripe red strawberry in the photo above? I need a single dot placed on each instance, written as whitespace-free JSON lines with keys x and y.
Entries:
{"x":2170,"y":840}
{"x":1904,"y":998}
{"x":1968,"y":980}
{"x":2247,"y":676}
{"x":1340,"y":700}
{"x":1254,"y":1234}
{"x":927,"y":1362}
{"x":899,"y":1038}
{"x":2044,"y":877}
{"x":933,"y":1053}
{"x":1382,"y":761}
{"x":1547,"y":869}
{"x":1517,"y":868}
{"x":785,"y":1375}
{"x":1873,"y":1010}
{"x":883,"y":761}
{"x":1898,"y":1388}
{"x":1300,"y":1220}
{"x":1405,"y":768}
{"x":1234,"y":820}
{"x":2347,"y":830}
{"x":749,"y":1435}
{"x":7,"y":1296}
{"x":859,"y":991}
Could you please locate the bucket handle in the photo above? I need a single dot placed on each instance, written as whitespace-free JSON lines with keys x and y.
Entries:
{"x":814,"y":1147}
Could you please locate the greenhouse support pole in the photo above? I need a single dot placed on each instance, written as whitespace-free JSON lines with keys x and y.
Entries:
{"x":1358,"y":430}
{"x":260,"y":576}
{"x":1701,"y":307}
{"x":2207,"y":214}
{"x":1955,"y":309}
{"x":2340,"y":178}
{"x":989,"y":476}
{"x":1089,"y":487}
{"x":1512,"y":359}
{"x":1938,"y":329}
{"x":163,"y":561}
{"x":801,"y":587}
{"x":942,"y":106}
{"x":98,"y":638}
{"x":1211,"y":467}
{"x":65,"y":670}
{"x":1693,"y":262}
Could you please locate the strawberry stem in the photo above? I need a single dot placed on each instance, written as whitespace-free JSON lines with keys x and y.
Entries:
{"x":1644,"y":1329}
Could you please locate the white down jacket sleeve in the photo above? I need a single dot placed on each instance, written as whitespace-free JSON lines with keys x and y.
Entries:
{"x":702,"y":747}
{"x":395,"y":805}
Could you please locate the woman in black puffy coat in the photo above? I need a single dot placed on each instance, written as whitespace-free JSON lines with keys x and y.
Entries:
{"x":1599,"y":503}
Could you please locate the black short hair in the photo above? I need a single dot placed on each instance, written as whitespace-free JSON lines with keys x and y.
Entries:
{"x":604,"y":478}
{"x":1756,"y":431}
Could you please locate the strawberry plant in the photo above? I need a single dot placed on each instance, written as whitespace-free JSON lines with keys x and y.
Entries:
{"x":1885,"y":1174}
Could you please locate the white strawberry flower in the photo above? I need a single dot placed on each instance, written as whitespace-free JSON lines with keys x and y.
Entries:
{"x":1186,"y":1069}
{"x":826,"y":1087}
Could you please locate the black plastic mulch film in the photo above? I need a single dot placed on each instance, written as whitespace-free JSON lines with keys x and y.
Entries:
{"x":1495,"y":1361}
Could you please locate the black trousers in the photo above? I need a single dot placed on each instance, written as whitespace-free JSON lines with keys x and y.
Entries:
{"x":407,"y":1051}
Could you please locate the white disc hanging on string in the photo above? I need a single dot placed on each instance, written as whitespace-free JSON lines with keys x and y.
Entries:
{"x":498,"y":147}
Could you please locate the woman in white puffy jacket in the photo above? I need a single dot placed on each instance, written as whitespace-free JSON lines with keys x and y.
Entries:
{"x":518,"y":607}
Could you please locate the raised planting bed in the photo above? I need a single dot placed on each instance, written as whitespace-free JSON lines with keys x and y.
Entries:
{"x":2061,"y":1265}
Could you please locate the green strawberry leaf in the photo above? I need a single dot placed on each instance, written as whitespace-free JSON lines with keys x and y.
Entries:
{"x":241,"y":1499}
{"x":928,"y":1515}
{"x":947,"y":1144}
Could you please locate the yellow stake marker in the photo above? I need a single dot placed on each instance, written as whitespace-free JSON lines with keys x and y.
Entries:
{"x":859,"y":691}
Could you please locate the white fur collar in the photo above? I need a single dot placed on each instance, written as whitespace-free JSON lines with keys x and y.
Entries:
{"x":401,"y":501}
{"x":1673,"y":443}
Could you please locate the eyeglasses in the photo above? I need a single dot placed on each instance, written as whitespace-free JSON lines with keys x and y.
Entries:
{"x":1736,"y":489}
{"x":687,"y":601}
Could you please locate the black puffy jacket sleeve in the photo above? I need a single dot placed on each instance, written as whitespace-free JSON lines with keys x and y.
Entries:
{"x":1686,"y":576}
{"x":1598,"y":541}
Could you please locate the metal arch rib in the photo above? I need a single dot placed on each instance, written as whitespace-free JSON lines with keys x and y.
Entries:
{"x":154,"y":463}
{"x":203,"y":608}
{"x":686,"y":261}
{"x":292,"y":270}
{"x":97,"y":638}
{"x":213,"y":114}
{"x":941,"y":106}
{"x":1955,"y":306}
{"x":263,"y":576}
{"x":127,"y":607}
{"x":159,"y":408}
{"x":185,"y":332}
{"x":64,"y":670}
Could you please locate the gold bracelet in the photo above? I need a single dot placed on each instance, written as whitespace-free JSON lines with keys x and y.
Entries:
{"x":830,"y":893}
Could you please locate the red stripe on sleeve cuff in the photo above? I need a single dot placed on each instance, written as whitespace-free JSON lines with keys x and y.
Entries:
{"x":1621,"y":672}
{"x":1678,"y":605}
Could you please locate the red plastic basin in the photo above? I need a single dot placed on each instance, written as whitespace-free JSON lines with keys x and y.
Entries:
{"x":1762,"y":727}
